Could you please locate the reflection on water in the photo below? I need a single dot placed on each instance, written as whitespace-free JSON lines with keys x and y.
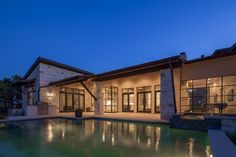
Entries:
{"x":101,"y":138}
{"x":50,"y":133}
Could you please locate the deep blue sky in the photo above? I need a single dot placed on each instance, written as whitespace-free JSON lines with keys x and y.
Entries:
{"x":99,"y":35}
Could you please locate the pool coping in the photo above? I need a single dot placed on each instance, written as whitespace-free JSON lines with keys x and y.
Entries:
{"x":221,"y":145}
{"x":85,"y":118}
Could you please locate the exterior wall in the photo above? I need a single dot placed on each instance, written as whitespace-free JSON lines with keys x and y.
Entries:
{"x":148,"y":79}
{"x":209,"y":68}
{"x":45,"y":74}
{"x":218,"y":67}
{"x":50,"y":73}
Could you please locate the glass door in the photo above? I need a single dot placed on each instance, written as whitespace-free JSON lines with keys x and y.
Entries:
{"x":157,"y":101}
{"x":128,"y":100}
{"x":82,"y":102}
{"x":69,"y":106}
{"x":62,"y":102}
{"x":71,"y":99}
{"x":110,"y":99}
{"x":144,"y":99}
{"x":141,"y":102}
{"x":76,"y":101}
{"x":148,"y":102}
{"x":157,"y":98}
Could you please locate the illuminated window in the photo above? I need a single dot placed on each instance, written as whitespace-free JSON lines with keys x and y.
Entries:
{"x":110,"y":99}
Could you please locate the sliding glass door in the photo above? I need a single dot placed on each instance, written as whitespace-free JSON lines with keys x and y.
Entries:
{"x":71,"y":99}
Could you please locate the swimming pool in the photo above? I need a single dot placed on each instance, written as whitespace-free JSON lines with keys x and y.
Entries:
{"x":70,"y":138}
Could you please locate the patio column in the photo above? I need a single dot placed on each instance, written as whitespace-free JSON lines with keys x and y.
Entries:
{"x":98,"y":108}
{"x":167,"y":106}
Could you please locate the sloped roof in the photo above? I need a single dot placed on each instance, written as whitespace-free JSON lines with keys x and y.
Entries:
{"x":219,"y":53}
{"x":56,"y":64}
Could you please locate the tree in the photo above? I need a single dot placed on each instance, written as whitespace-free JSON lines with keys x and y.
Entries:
{"x":10,"y":96}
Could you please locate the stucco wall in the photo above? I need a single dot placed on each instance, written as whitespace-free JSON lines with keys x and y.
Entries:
{"x":176,"y":75}
{"x":210,"y":68}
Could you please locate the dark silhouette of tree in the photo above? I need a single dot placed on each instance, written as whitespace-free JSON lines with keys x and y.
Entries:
{"x":10,"y":96}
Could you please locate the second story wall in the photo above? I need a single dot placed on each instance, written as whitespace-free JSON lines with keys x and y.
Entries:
{"x":209,"y":68}
{"x":50,"y":73}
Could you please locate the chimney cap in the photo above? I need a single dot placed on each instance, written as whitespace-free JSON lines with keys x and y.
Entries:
{"x":183,"y":56}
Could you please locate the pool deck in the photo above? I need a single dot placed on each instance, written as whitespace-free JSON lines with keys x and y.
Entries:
{"x":221,"y":145}
{"x":135,"y":117}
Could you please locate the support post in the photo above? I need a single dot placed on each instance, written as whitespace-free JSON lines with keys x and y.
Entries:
{"x":98,"y":108}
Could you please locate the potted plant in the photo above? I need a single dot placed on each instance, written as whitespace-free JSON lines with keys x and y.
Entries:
{"x":78,"y":112}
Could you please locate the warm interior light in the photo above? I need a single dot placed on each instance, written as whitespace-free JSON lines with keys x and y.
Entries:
{"x":49,"y":94}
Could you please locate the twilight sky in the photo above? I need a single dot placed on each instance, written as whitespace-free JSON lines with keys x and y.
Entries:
{"x":102,"y":35}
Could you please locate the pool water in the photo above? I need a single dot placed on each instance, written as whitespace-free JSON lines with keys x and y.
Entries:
{"x":98,"y":138}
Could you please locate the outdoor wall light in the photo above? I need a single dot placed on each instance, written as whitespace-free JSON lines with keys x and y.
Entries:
{"x":49,"y":94}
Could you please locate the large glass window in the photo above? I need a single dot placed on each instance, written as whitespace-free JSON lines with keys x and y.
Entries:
{"x":128,"y":100}
{"x":71,"y":99}
{"x":144,"y":99}
{"x":110,"y":99}
{"x":229,"y":94}
{"x":210,"y":95}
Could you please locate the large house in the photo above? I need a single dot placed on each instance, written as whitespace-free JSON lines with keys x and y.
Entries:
{"x":167,"y":86}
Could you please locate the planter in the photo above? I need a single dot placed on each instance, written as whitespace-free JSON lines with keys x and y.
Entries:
{"x":78,"y":113}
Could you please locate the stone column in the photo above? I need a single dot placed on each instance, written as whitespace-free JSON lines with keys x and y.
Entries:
{"x":98,"y":108}
{"x":167,"y":107}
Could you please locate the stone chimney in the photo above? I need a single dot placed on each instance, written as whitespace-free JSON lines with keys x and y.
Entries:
{"x":183,"y":56}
